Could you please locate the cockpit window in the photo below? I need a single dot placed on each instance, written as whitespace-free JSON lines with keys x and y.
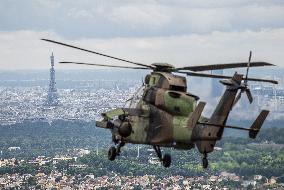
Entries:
{"x":178,"y":88}
{"x":147,"y":79}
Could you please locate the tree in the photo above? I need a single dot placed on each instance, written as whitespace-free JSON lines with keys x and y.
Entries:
{"x":32,"y":181}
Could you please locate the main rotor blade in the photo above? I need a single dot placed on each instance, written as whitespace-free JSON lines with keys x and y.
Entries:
{"x":101,"y":54}
{"x":262,"y":80}
{"x":250,"y":98}
{"x":101,"y":65}
{"x":196,"y":74}
{"x":224,"y":66}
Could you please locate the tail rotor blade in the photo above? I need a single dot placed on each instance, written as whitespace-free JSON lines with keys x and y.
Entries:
{"x":250,"y":53}
{"x":238,"y":97}
{"x":250,"y":98}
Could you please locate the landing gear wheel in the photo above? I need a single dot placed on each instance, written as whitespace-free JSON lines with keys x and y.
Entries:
{"x":205,"y":163}
{"x":167,"y":160}
{"x":112,"y":153}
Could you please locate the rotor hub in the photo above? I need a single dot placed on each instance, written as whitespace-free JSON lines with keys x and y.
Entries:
{"x":163,"y":67}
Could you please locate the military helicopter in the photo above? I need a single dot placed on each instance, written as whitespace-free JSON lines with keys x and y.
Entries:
{"x":168,"y":116}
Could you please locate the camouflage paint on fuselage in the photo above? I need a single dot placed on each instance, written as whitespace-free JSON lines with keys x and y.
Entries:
{"x":161,"y":116}
{"x":166,"y":106}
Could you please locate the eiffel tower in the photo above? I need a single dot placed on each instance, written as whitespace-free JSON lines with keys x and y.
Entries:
{"x":52,"y":96}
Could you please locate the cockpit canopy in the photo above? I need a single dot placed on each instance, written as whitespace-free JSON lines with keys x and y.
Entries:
{"x":166,"y":81}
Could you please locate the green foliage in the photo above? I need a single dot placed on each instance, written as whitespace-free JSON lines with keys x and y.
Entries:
{"x":31,"y":181}
{"x":274,"y":134}
{"x":42,"y":138}
{"x":238,"y":155}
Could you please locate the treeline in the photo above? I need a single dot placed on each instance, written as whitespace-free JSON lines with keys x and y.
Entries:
{"x":43,"y":138}
{"x":274,"y":134}
{"x":238,"y":154}
{"x":266,"y":135}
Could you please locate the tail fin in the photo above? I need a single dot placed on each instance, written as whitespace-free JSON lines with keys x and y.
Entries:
{"x":255,"y":127}
{"x":225,"y":105}
{"x":206,"y":135}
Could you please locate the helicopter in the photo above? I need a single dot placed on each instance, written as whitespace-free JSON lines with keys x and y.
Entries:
{"x":167,"y":115}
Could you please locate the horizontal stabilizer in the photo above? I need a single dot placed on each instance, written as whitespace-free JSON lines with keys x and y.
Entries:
{"x":193,"y":119}
{"x":253,"y":130}
{"x":255,"y":127}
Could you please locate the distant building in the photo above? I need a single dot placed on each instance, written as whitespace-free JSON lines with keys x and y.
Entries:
{"x":217,"y":87}
{"x":13,"y":148}
{"x":257,"y":177}
{"x":52,"y":96}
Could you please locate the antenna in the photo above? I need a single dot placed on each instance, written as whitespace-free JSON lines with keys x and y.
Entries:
{"x":52,"y":96}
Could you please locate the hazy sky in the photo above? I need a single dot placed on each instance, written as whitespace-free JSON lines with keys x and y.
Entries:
{"x":179,"y":32}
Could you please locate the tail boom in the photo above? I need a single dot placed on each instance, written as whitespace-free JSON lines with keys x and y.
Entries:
{"x":205,"y":134}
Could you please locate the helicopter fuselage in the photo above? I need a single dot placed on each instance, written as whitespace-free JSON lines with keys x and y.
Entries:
{"x":160,"y":117}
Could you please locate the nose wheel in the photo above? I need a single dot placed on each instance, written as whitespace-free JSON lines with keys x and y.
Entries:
{"x":114,"y":151}
{"x":164,"y":159}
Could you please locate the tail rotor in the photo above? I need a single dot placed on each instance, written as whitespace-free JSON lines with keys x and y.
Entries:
{"x":244,"y":86}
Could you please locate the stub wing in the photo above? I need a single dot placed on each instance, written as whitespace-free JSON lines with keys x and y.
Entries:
{"x":101,"y":124}
{"x":109,"y":116}
{"x":121,"y":114}
{"x":113,"y":113}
